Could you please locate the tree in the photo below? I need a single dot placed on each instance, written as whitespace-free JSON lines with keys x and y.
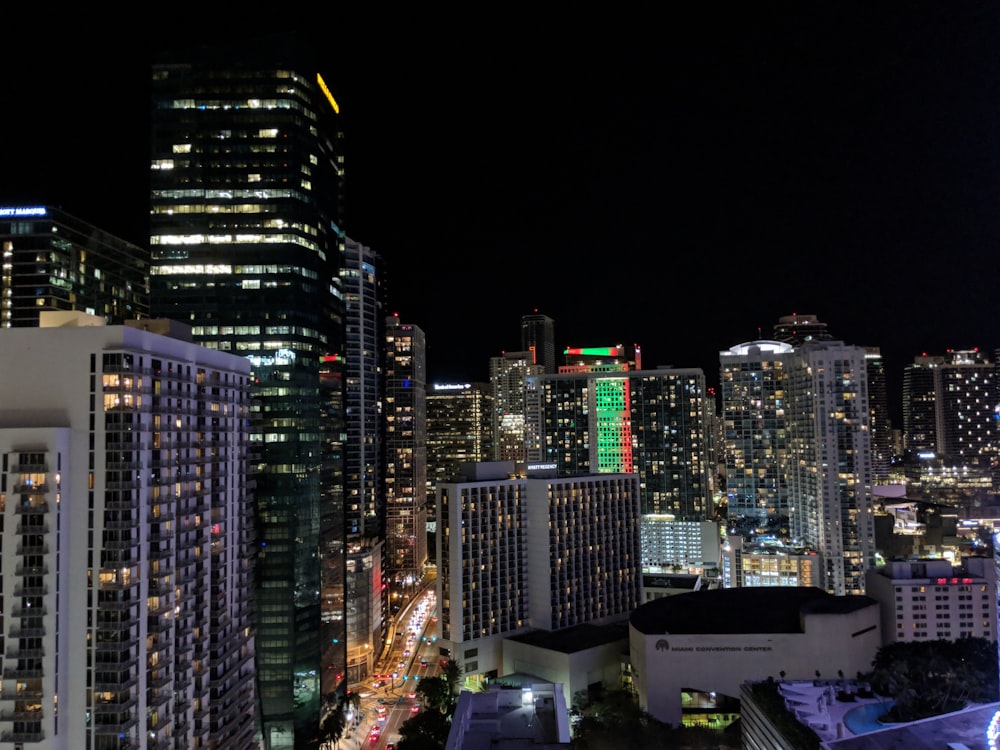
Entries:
{"x":331,"y":728}
{"x":434,"y":693}
{"x":428,"y":730}
{"x":928,"y":678}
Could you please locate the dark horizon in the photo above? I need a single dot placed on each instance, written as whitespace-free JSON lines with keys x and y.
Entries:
{"x":681,"y":185}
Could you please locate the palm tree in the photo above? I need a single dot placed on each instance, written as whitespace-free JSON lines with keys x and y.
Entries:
{"x":331,"y":729}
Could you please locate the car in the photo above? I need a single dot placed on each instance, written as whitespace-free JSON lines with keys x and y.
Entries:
{"x":411,"y":696}
{"x":414,"y":708}
{"x":406,"y":653}
{"x":423,"y":662}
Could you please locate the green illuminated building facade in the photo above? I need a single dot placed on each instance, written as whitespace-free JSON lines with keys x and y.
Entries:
{"x":650,"y":422}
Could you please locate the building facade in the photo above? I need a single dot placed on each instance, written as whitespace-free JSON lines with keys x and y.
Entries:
{"x":713,"y":641}
{"x":459,"y":430}
{"x":768,"y":562}
{"x":878,"y":406}
{"x":538,"y":336}
{"x":54,"y":261}
{"x":508,"y":374}
{"x":127,"y":539}
{"x":364,"y":337}
{"x":830,"y":482}
{"x":933,"y":599}
{"x":246,"y":176}
{"x":754,"y":404}
{"x":519,"y":552}
{"x":650,"y":422}
{"x":406,"y":453}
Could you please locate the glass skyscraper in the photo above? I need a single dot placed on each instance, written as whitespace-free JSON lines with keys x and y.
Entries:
{"x":54,"y":261}
{"x":246,"y":242}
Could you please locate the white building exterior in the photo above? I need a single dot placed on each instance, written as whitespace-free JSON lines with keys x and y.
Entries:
{"x":126,"y":545}
{"x":523,"y":718}
{"x":830,"y":457}
{"x":713,"y":641}
{"x":933,"y":599}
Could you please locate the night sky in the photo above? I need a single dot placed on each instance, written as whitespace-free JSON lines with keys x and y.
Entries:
{"x":680,"y":179}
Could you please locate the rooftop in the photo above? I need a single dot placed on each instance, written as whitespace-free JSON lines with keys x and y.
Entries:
{"x":741,"y":610}
{"x":576,"y":638}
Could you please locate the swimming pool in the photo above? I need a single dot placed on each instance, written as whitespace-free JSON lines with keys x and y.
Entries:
{"x":864,"y":719}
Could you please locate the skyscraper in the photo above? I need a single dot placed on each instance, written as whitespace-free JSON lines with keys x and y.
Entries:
{"x":648,"y":422}
{"x":830,"y":471}
{"x":126,"y":540}
{"x":878,"y":405}
{"x":246,"y":179}
{"x":364,"y":325}
{"x":507,"y":388}
{"x":754,"y":404}
{"x":54,"y":261}
{"x":538,"y":337}
{"x":919,"y":405}
{"x":459,"y":430}
{"x":406,"y":453}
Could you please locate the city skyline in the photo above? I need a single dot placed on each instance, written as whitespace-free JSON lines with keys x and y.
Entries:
{"x":682,"y":189}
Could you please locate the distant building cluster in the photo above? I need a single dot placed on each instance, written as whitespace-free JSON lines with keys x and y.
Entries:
{"x":225,"y":473}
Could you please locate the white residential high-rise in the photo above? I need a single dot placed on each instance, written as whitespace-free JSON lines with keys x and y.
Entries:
{"x":127,"y":539}
{"x":754,"y":416}
{"x":830,"y":463}
{"x":508,"y":373}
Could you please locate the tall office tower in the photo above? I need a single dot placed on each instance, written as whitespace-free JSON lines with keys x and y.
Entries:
{"x":333,"y":531}
{"x":508,"y":373}
{"x":364,"y":348}
{"x":754,"y":413}
{"x":919,"y":408}
{"x":127,"y":541}
{"x":246,"y":179}
{"x":459,"y":430}
{"x":538,"y":336}
{"x":798,"y":329}
{"x":406,"y":454}
{"x":519,"y":552}
{"x":54,"y":261}
{"x":881,"y":425}
{"x":650,"y":422}
{"x":830,"y":477}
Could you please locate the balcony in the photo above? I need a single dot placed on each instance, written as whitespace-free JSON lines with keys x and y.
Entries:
{"x":32,"y":549}
{"x":31,"y":590}
{"x":21,"y":715}
{"x":21,"y":737}
{"x":31,"y":489}
{"x":22,"y":673}
{"x":28,"y":612}
{"x":31,"y":507}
